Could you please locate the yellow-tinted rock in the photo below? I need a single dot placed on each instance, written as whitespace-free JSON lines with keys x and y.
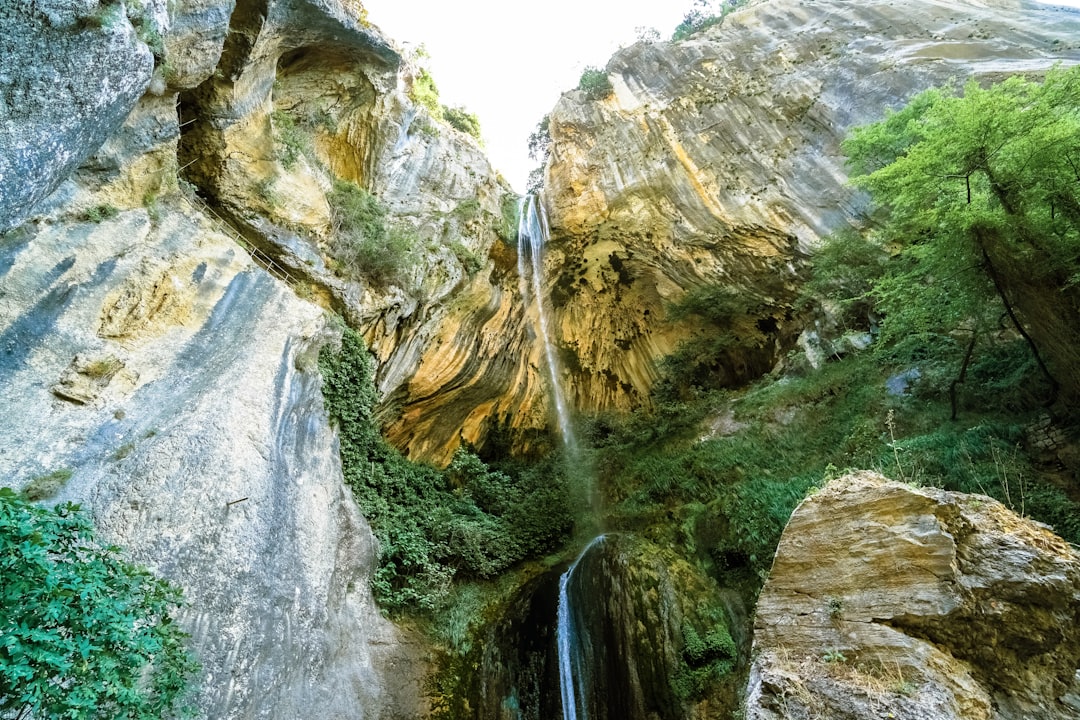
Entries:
{"x":920,"y":602}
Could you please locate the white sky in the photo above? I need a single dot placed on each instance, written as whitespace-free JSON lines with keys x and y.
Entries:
{"x":508,"y":62}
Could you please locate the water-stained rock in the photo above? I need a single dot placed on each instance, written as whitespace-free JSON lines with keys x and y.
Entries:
{"x":922,"y":603}
{"x":198,"y":440}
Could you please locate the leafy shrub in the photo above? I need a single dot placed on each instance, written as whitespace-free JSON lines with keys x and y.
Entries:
{"x":292,"y":140}
{"x":594,"y":83}
{"x":433,"y":526}
{"x":84,"y":633}
{"x":363,"y":241}
{"x":461,"y":119}
{"x":424,"y":93}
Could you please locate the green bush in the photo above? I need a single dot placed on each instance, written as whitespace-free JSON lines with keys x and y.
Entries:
{"x":706,"y":657}
{"x":594,"y":83}
{"x":424,"y":93}
{"x":363,"y":241}
{"x":292,"y":141}
{"x":461,"y":119}
{"x":84,"y":634}
{"x":468,"y":521}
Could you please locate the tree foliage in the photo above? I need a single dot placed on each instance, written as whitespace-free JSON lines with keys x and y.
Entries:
{"x":594,"y":83}
{"x":980,"y":192}
{"x":84,"y":634}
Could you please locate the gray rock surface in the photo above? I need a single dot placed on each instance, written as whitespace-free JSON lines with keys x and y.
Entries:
{"x":891,"y":601}
{"x":70,"y":72}
{"x":205,"y":450}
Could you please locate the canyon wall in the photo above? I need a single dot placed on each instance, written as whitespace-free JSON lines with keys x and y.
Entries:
{"x":715,"y":161}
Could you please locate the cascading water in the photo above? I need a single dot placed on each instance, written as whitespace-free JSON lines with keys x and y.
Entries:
{"x":532,"y":236}
{"x":572,"y":669}
{"x":573,"y":664}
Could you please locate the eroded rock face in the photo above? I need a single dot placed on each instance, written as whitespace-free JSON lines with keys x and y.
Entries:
{"x":189,"y":410}
{"x":717,"y":160}
{"x":70,"y":72}
{"x":922,"y":603}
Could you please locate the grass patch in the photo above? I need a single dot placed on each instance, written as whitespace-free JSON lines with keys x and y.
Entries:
{"x":46,"y":486}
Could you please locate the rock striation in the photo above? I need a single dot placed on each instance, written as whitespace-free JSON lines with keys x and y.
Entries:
{"x":177,"y":381}
{"x":891,"y":601}
{"x":716,"y":161}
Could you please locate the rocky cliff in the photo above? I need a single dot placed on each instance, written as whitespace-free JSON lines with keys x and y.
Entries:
{"x":716,"y":161}
{"x":155,"y":348}
{"x":890,"y":601}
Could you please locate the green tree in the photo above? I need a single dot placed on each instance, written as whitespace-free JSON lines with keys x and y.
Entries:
{"x":84,"y":634}
{"x":461,"y":119}
{"x":980,"y":193}
{"x":594,"y":83}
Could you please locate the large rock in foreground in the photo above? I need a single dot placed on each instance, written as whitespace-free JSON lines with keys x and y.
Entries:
{"x":890,"y":601}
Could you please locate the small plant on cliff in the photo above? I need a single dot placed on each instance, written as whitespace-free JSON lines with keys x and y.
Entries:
{"x":45,"y":486}
{"x":363,"y":240}
{"x":291,"y":141}
{"x":461,"y":119}
{"x":84,"y":634}
{"x":100,"y":213}
{"x":424,"y":92}
{"x":594,"y":83}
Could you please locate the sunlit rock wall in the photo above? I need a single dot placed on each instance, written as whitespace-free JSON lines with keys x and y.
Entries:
{"x":891,"y":601}
{"x":717,"y":160}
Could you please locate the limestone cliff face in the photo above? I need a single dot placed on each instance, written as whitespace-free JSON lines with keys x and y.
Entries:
{"x":890,"y":601}
{"x":333,"y":93}
{"x":178,"y":381}
{"x":716,"y":160}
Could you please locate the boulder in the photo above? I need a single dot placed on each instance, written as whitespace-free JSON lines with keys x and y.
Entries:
{"x":887,"y":600}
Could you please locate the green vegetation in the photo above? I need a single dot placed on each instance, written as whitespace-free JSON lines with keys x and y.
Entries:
{"x":100,"y":213}
{"x":84,"y":634}
{"x":45,"y":486}
{"x":982,"y":217}
{"x":461,"y":119}
{"x":363,"y":241}
{"x":291,"y":141}
{"x":594,"y":83}
{"x":706,"y":658}
{"x":704,"y":15}
{"x":467,"y":522}
{"x":539,"y":149}
{"x":424,"y":92}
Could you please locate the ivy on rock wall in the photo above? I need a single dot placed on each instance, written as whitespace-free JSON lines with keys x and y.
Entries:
{"x":433,"y":526}
{"x":84,"y":634}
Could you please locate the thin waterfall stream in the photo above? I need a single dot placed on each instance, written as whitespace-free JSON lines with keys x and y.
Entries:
{"x":532,"y":237}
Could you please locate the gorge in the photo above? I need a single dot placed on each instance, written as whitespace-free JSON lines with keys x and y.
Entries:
{"x":414,"y":446}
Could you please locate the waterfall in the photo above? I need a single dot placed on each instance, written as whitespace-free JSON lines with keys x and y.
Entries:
{"x":532,"y":236}
{"x":571,"y":667}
